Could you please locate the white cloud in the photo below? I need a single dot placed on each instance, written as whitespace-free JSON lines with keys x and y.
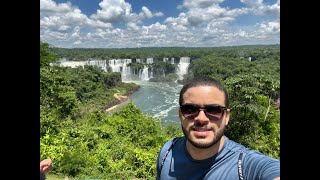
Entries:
{"x":49,"y":7}
{"x":254,"y":3}
{"x":76,"y":32}
{"x":112,"y":11}
{"x":77,"y":42}
{"x":119,"y":11}
{"x":60,"y":17}
{"x":146,"y":12}
{"x":181,"y":20}
{"x":190,"y":4}
{"x":133,"y":26}
{"x":203,"y":12}
{"x":258,"y":8}
{"x":200,"y":23}
{"x":270,"y":27}
{"x":96,"y":24}
{"x":158,"y":14}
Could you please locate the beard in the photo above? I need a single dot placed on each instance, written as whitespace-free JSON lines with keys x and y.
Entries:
{"x":201,"y":145}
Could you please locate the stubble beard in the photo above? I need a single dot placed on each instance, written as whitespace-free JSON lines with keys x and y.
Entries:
{"x":200,"y":145}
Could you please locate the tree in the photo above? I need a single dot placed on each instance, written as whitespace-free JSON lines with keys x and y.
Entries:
{"x":254,"y":121}
{"x":45,"y":56}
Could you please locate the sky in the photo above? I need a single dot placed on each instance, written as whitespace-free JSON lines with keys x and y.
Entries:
{"x":159,"y":23}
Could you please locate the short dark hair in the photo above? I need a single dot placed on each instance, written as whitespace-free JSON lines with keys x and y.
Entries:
{"x":204,"y":81}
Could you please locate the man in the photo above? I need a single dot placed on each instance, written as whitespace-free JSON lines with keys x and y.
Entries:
{"x":204,"y":152}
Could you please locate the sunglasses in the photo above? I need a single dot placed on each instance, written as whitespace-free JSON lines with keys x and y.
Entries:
{"x":213,"y":112}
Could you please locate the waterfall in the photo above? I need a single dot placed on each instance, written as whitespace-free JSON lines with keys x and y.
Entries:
{"x":144,"y":74}
{"x":120,"y":65}
{"x":99,"y":63}
{"x":72,"y":64}
{"x":128,"y":73}
{"x":183,"y":66}
{"x":91,"y":62}
{"x":151,"y":73}
{"x":172,"y":60}
{"x":149,"y":60}
{"x":115,"y":65}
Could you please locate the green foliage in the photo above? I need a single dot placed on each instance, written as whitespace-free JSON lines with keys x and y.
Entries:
{"x":45,"y":56}
{"x":165,"y":67}
{"x":209,"y":65}
{"x":254,"y":121}
{"x":121,"y":145}
{"x":258,"y":51}
{"x":223,"y":67}
{"x":56,"y":94}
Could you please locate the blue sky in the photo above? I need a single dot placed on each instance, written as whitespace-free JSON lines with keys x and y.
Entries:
{"x":159,"y":23}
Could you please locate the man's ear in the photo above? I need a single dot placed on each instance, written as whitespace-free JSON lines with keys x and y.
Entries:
{"x":180,"y":115}
{"x":227,"y":116}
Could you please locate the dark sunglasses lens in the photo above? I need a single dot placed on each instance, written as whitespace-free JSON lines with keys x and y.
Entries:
{"x":214,"y":112}
{"x":189,"y":109}
{"x":214,"y":109}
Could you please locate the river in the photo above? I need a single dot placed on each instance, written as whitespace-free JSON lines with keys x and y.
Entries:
{"x":160,"y":100}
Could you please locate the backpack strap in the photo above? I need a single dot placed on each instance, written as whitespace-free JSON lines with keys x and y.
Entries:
{"x":167,"y":152}
{"x":240,"y":164}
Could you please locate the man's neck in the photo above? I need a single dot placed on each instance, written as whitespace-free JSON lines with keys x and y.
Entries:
{"x":201,"y":154}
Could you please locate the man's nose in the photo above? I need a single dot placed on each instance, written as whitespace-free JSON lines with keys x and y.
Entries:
{"x":201,"y":117}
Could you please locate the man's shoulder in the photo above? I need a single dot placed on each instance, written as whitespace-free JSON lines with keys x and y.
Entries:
{"x":254,"y":162}
{"x":252,"y":155}
{"x":248,"y":152}
{"x":258,"y":164}
{"x":233,"y":146}
{"x":171,"y":142}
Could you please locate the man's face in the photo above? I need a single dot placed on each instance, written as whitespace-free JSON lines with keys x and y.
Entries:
{"x":200,"y":131}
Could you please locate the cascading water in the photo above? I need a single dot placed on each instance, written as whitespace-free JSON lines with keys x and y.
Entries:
{"x":144,"y":76}
{"x":172,"y":60}
{"x":149,"y":60}
{"x":127,"y":73}
{"x":183,"y":66}
{"x":160,"y":100}
{"x":120,"y":65}
{"x":99,"y":63}
{"x":72,"y":64}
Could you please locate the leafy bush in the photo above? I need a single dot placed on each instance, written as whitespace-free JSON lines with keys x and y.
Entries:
{"x":121,"y":145}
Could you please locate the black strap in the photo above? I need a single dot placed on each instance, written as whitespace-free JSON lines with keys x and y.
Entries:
{"x":240,"y":167}
{"x":42,"y":176}
{"x":167,"y":152}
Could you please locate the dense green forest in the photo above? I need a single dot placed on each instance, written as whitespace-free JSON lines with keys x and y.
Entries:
{"x":85,"y":141}
{"x":80,"y":54}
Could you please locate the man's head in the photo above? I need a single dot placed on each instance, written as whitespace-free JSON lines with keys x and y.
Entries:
{"x":203,"y":81}
{"x":203,"y":111}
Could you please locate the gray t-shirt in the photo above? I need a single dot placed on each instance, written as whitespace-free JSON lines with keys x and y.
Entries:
{"x":224,"y":165}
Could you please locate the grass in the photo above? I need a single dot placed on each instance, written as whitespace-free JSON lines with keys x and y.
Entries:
{"x":58,"y":177}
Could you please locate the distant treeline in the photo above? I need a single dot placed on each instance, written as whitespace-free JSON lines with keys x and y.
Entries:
{"x":80,"y":54}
